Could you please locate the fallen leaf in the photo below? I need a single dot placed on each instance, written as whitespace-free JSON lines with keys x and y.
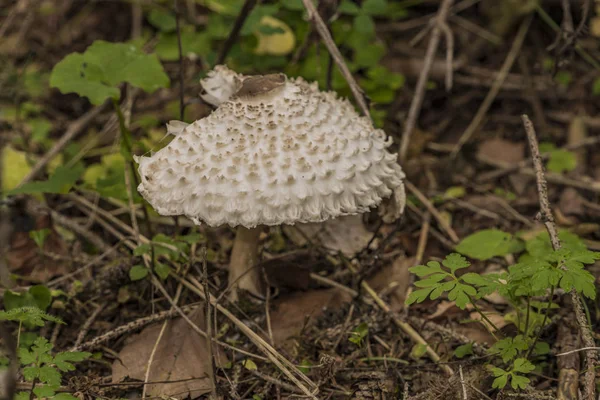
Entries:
{"x":24,"y":256}
{"x":501,"y":151}
{"x":394,"y":280}
{"x":346,"y":234}
{"x":492,"y":315}
{"x":180,"y":362}
{"x":292,"y":313}
{"x":442,"y":308}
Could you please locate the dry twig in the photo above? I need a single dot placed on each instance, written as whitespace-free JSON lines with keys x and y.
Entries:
{"x":489,"y":99}
{"x":415,"y":106}
{"x":548,"y":220}
{"x":337,"y":56}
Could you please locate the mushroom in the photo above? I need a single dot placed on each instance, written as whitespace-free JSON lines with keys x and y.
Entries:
{"x":276,"y":150}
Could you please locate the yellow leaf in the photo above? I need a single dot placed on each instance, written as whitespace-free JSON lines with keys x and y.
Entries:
{"x":14,"y":168}
{"x":55,"y":163}
{"x":277,"y":44}
{"x":93,"y":173}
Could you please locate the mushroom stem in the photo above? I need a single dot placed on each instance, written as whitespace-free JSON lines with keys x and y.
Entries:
{"x":243,"y":273}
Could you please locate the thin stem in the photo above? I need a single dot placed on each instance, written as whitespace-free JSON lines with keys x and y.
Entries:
{"x":19,"y":334}
{"x":486,"y":319}
{"x":527,"y":317}
{"x":546,"y":312}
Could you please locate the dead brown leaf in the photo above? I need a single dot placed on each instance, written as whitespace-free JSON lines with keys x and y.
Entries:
{"x":501,"y":151}
{"x":294,"y":312}
{"x":181,"y":359}
{"x":346,"y":234}
{"x":394,"y":280}
{"x":25,"y":258}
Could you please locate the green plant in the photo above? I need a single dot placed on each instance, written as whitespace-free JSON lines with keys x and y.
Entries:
{"x":44,"y":370}
{"x":540,"y":271}
{"x":358,"y":334}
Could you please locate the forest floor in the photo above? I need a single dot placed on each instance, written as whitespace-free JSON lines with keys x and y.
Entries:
{"x":335,"y":324}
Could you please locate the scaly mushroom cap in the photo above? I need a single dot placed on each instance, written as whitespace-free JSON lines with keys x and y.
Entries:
{"x":278,"y":152}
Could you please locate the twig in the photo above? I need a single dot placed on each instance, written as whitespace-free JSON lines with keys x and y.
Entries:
{"x":578,"y":350}
{"x":237,"y":27}
{"x":323,"y":31}
{"x":417,"y":102}
{"x":462,"y":383}
{"x":441,"y":221}
{"x":275,"y":357}
{"x":151,"y":359}
{"x":209,"y":333}
{"x":495,"y":89}
{"x":548,"y":220}
{"x":88,"y":323}
{"x":404,"y":326}
{"x":73,"y":130}
{"x":423,"y":237}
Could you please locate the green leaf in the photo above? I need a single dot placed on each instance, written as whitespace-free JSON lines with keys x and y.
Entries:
{"x":192,"y":44}
{"x":39,"y":236}
{"x":508,"y":348}
{"x":418,"y":350}
{"x":455,"y":261}
{"x":359,"y":333}
{"x":463,"y":350}
{"x":295,"y":5}
{"x":523,"y":366}
{"x":561,"y":161}
{"x":26,"y":356}
{"x":45,"y":391}
{"x":37,"y":296}
{"x":63,"y":360}
{"x":138,"y":272}
{"x":375,"y":7}
{"x":364,"y":25}
{"x":49,"y":375}
{"x":61,"y":181}
{"x":249,"y":365}
{"x":500,"y":381}
{"x":162,"y":270}
{"x":31,"y":373}
{"x":460,"y":294}
{"x":253,"y":21}
{"x":96,"y":73}
{"x":519,"y":381}
{"x":22,"y":396}
{"x":145,"y":248}
{"x":424,"y":270}
{"x":348,"y":7}
{"x":488,"y":243}
{"x":69,"y":77}
{"x":418,"y":296}
{"x":163,"y":20}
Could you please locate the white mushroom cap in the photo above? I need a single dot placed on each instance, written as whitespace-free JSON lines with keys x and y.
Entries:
{"x":220,"y":85}
{"x":278,"y":152}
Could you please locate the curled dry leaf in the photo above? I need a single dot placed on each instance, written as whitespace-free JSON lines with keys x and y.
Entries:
{"x":181,"y":363}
